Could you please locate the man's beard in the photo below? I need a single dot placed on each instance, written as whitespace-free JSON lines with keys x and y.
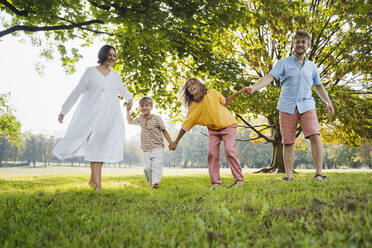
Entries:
{"x":302,"y":51}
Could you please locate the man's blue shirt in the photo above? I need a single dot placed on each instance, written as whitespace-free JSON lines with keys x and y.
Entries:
{"x":296,"y":83}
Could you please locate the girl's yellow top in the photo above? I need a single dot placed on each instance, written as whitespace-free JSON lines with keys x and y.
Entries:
{"x":210,"y":112}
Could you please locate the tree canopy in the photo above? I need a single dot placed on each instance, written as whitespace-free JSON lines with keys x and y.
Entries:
{"x":228,"y":44}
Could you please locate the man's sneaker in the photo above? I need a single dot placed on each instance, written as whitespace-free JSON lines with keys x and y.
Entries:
{"x":155,"y":186}
{"x":319,"y":177}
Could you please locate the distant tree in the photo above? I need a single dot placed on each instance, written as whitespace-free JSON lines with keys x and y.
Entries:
{"x":48,"y":145}
{"x":33,"y":149}
{"x":132,"y":154}
{"x":364,"y":155}
{"x":10,"y":128}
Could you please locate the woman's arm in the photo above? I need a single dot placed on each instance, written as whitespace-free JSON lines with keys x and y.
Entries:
{"x":74,"y":96}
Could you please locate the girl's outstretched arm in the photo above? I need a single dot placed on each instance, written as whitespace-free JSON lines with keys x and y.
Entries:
{"x":173,"y":146}
{"x":233,"y":96}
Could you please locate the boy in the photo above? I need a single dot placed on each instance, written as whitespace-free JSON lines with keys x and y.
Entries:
{"x":152,"y":144}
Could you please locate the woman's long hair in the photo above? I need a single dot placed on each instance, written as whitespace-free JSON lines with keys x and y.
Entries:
{"x":185,"y":97}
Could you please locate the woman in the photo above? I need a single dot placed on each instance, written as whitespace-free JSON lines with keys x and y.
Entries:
{"x":96,"y":130}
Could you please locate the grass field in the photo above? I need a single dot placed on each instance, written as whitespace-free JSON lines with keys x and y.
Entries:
{"x":62,"y":211}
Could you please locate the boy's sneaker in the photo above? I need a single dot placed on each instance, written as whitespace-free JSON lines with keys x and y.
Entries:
{"x":155,"y":186}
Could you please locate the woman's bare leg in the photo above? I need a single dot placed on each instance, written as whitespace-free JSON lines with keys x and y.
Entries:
{"x":97,"y":174}
{"x":91,"y":180}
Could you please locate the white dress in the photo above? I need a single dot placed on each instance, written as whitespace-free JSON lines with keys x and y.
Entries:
{"x":96,"y":130}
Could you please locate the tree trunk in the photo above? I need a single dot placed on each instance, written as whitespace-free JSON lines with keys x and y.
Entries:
{"x":277,"y":161}
{"x":185,"y":163}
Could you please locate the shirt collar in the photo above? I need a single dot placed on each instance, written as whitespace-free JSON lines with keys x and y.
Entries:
{"x":295,"y":59}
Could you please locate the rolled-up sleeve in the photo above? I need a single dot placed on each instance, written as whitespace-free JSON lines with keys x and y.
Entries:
{"x":277,"y":70}
{"x":125,"y":93}
{"x":316,"y":76}
{"x":221,"y":98}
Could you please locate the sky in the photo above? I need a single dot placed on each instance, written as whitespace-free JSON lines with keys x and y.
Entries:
{"x":37,"y":99}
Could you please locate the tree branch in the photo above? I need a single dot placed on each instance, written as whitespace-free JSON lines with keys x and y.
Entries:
{"x":316,"y":43}
{"x":255,"y":130}
{"x":14,"y":9}
{"x":299,"y":130}
{"x":100,"y":6}
{"x":47,"y":28}
{"x":255,"y":138}
{"x":88,"y":29}
{"x":247,"y":140}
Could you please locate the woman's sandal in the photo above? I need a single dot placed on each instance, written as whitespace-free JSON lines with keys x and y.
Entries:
{"x":319,"y":177}
{"x":286,"y":179}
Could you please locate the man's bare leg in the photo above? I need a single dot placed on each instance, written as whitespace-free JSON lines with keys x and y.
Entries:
{"x":317,"y":153}
{"x":289,"y":155}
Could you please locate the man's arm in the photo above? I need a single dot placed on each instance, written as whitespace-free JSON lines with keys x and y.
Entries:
{"x":233,"y":96}
{"x":263,"y":82}
{"x":322,"y":93}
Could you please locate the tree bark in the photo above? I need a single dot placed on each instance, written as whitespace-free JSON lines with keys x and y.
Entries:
{"x":185,"y":163}
{"x":277,"y":161}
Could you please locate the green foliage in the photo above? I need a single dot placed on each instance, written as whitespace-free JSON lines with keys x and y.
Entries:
{"x":34,"y":149}
{"x":60,"y":211}
{"x":228,"y":44}
{"x":340,"y":47}
{"x":9,"y":126}
{"x":10,"y":129}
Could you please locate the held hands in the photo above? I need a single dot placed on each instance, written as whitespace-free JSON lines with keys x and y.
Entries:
{"x":60,"y":118}
{"x":172,"y":146}
{"x":249,"y":90}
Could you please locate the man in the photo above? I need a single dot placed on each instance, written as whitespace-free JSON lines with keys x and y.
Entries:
{"x":297,"y":75}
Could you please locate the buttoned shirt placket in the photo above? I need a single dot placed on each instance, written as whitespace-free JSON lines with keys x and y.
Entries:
{"x":300,"y":99}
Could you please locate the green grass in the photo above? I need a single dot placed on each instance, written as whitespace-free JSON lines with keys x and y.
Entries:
{"x":60,"y":211}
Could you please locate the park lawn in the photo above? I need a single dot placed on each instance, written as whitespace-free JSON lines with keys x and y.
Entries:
{"x":61,"y":211}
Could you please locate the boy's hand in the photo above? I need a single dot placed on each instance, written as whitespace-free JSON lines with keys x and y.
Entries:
{"x":129,"y":105}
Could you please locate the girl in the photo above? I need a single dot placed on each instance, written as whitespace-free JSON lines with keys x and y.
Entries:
{"x":206,"y":107}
